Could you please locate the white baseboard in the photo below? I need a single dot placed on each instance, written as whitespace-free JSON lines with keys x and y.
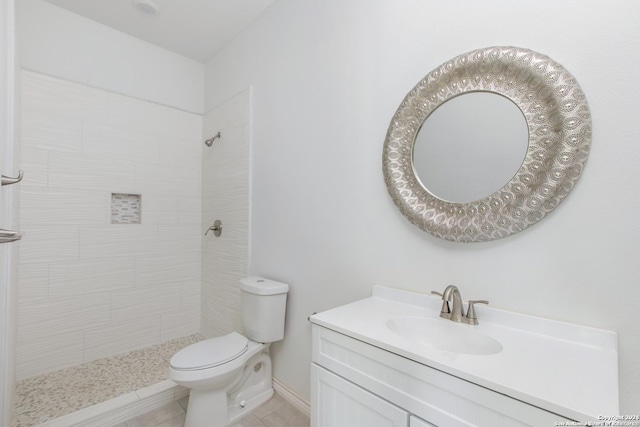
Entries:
{"x":292,"y":397}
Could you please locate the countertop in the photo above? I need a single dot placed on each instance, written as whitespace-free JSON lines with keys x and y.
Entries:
{"x":564,"y":368}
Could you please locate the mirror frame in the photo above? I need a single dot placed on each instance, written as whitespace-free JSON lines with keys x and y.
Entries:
{"x":559,"y":124}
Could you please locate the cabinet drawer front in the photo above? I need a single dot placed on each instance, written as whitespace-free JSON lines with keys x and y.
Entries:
{"x":339,"y":403}
{"x":435,"y":396}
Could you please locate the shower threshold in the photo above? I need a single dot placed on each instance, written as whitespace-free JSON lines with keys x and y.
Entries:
{"x":102,"y":392}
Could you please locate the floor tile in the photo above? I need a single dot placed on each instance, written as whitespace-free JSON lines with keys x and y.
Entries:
{"x":286,"y":417}
{"x":175,"y":422}
{"x":248,"y":421}
{"x":157,"y":417}
{"x":276,"y":412}
{"x":271,"y":405}
{"x":184,"y":402}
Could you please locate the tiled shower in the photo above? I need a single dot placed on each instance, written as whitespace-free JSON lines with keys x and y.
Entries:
{"x":91,"y":286}
{"x":225,"y":196}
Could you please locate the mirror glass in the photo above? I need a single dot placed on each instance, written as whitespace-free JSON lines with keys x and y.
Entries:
{"x":470,"y":146}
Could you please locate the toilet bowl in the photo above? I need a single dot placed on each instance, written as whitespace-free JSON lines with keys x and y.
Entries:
{"x":231,"y":375}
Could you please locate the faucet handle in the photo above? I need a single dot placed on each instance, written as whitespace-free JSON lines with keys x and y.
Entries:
{"x":445,"y":304}
{"x":471,"y":311}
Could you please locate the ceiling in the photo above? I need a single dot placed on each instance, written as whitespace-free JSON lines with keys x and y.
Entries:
{"x":197,"y":29}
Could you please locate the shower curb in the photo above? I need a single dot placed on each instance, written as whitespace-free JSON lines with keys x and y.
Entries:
{"x":122,"y":408}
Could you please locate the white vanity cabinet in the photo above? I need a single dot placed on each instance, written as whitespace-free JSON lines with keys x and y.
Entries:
{"x":340,"y":403}
{"x":390,"y":360}
{"x":357,"y":384}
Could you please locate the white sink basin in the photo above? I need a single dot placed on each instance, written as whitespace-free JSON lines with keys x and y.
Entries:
{"x":543,"y":362}
{"x":444,"y":335}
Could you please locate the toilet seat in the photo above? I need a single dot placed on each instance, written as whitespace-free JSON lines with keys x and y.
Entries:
{"x":210,"y":353}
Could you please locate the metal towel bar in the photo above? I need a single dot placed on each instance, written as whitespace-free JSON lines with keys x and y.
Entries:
{"x":7,"y":180}
{"x":8,"y":236}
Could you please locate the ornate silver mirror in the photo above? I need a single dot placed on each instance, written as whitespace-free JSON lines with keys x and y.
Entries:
{"x":481,"y":187}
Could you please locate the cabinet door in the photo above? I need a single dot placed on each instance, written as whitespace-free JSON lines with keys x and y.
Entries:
{"x":419,"y":422}
{"x":336,"y":402}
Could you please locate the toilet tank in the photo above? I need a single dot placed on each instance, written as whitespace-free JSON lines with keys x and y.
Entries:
{"x":263,"y":308}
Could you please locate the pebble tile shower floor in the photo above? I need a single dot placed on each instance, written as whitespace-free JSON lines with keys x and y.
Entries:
{"x":49,"y":396}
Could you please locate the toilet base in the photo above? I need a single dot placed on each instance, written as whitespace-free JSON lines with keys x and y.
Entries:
{"x":207,"y":409}
{"x":215,"y":412}
{"x":236,"y":413}
{"x":222,"y":407}
{"x":254,"y":388}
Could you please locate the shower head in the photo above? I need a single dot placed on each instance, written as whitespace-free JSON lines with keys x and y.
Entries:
{"x":209,"y":142}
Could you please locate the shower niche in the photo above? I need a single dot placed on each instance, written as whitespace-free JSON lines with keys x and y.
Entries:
{"x":126,"y":208}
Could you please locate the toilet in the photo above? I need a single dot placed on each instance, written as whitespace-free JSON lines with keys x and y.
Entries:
{"x":229,"y":376}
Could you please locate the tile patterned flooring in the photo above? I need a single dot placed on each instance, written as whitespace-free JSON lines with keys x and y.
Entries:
{"x":276,"y":412}
{"x":49,"y":396}
{"x":45,"y":397}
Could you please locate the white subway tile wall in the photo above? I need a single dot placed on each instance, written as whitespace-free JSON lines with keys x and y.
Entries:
{"x":225,"y":196}
{"x":89,"y":288}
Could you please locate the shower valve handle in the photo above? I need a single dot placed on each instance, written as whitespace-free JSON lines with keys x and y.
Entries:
{"x":216,"y":228}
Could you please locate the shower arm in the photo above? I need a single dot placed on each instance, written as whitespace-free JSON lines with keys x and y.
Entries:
{"x":209,"y":142}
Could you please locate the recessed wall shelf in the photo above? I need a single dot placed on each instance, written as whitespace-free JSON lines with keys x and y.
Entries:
{"x":126,"y":208}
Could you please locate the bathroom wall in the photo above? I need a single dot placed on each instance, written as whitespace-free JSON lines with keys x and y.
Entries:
{"x":119,"y":119}
{"x":225,"y":196}
{"x":327,"y":78}
{"x":90,"y":288}
{"x":59,"y":43}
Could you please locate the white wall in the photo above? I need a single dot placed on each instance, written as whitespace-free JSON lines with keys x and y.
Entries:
{"x":327,"y":78}
{"x":59,"y":43}
{"x":89,"y":288}
{"x":225,"y":196}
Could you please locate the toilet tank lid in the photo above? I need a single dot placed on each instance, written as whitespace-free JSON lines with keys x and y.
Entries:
{"x":261,"y":286}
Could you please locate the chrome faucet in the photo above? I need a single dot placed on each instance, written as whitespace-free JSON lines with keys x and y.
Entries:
{"x":456,"y":313}
{"x":452,"y":293}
